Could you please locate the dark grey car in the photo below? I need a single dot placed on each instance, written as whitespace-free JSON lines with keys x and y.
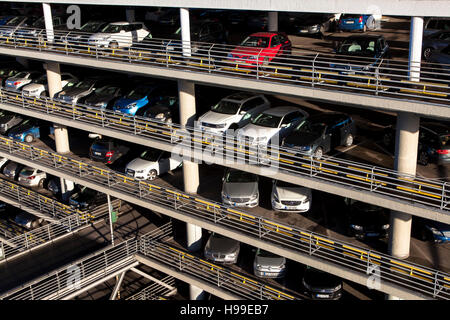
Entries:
{"x":222,"y":249}
{"x":269,"y":265}
{"x":12,"y":170}
{"x":240,"y":189}
{"x":8,"y":120}
{"x":77,"y":91}
{"x":435,"y":42}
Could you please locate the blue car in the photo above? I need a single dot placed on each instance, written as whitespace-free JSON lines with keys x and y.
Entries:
{"x":357,"y":22}
{"x":4,"y":19}
{"x":429,"y":230}
{"x":27,"y":131}
{"x":136,"y":99}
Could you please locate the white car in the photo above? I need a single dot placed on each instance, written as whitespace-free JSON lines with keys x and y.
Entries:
{"x":119,"y":35}
{"x":265,"y":127}
{"x":40,"y":87}
{"x":234,"y":110}
{"x":289,"y":197}
{"x":150,"y":164}
{"x":32,"y":177}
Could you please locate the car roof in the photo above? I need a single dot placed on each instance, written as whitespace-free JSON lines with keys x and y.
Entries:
{"x":263,"y":34}
{"x":281,"y":111}
{"x":365,"y":36}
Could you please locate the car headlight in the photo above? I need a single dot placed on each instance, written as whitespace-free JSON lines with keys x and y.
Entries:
{"x":275,"y":197}
{"x":338,"y":287}
{"x":254,"y":197}
{"x":230,"y":55}
{"x":130,"y":106}
{"x":385,"y":227}
{"x":314,"y":27}
{"x":436,"y":232}
{"x":356,"y":227}
{"x":230,"y":255}
{"x":307,"y":199}
{"x":160,"y":116}
{"x":305,"y":148}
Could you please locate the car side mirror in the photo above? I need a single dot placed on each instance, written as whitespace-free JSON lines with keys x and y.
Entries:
{"x":284,"y":125}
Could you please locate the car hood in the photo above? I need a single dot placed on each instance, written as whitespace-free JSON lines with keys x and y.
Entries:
{"x":97,"y":98}
{"x":7,"y":119}
{"x":242,"y":51}
{"x":123,"y":102}
{"x":73,"y":92}
{"x":240,"y":189}
{"x":218,"y":118}
{"x":270,"y":261}
{"x":156,"y":109}
{"x":32,"y":86}
{"x":255,"y":131}
{"x":141,"y":164}
{"x":13,"y":78}
{"x":301,"y":139}
{"x":222,"y":245}
{"x":100,"y":36}
{"x":292,"y":193}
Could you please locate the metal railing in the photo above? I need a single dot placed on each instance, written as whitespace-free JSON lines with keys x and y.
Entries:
{"x":69,"y":280}
{"x":405,"y":274}
{"x":155,"y":291}
{"x":363,"y":75}
{"x":200,"y":144}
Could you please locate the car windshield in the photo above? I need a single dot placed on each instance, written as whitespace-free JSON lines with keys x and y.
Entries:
{"x":253,"y":41}
{"x":22,"y":74}
{"x":27,"y":171}
{"x":101,"y":145}
{"x":150,"y":155}
{"x":226,"y":107}
{"x":240,"y":176}
{"x":112,"y":28}
{"x":83,"y":85}
{"x":138,"y":93}
{"x":90,"y":26}
{"x":359,"y":47}
{"x":14,"y":21}
{"x":267,"y":120}
{"x":106,"y":90}
{"x":309,"y":127}
{"x":39,"y":23}
{"x":87,"y":192}
{"x":445,"y":138}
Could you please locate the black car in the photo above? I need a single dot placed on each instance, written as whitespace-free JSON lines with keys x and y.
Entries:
{"x":321,"y":133}
{"x":308,"y":23}
{"x":434,"y":144}
{"x":165,"y":110}
{"x":107,"y":150}
{"x":321,"y":285}
{"x":366,"y":221}
{"x":9,"y":120}
{"x":86,"y":199}
{"x":361,"y":54}
{"x":104,"y":97}
{"x":54,"y":186}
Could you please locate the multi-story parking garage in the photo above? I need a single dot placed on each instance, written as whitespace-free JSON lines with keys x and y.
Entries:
{"x":147,"y":238}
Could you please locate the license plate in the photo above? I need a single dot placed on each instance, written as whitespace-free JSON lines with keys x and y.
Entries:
{"x":372,"y":234}
{"x":350,"y":22}
{"x":322,"y":295}
{"x":303,"y":31}
{"x":98,"y":153}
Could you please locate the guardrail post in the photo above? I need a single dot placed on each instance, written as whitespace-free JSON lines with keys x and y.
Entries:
{"x":209,"y":58}
{"x":167,"y":52}
{"x":26,"y":240}
{"x":371,"y":179}
{"x":49,"y":234}
{"x":257,"y":64}
{"x":179,"y":257}
{"x":443,"y":195}
{"x":314,"y":69}
{"x":310,"y":244}
{"x":377,"y":74}
{"x":3,"y":256}
{"x":23,"y":100}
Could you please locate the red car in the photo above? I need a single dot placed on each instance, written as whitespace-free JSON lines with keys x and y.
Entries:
{"x":260,"y":48}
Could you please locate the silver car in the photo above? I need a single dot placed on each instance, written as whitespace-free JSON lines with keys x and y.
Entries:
{"x":291,"y":198}
{"x":269,"y":265}
{"x":32,"y":177}
{"x":21,"y":79}
{"x":221,"y":249}
{"x":12,"y":169}
{"x":28,"y":221}
{"x":240,"y":189}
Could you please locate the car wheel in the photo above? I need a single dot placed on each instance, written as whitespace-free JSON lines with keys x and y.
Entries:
{"x":152,"y":174}
{"x":318,"y":153}
{"x":265,"y":61}
{"x":29,"y":138}
{"x":44,"y":94}
{"x":427,"y":53}
{"x":113,"y":45}
{"x":41,"y":183}
{"x":349,"y":140}
{"x":423,"y":158}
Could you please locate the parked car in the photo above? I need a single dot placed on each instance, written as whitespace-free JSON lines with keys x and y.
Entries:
{"x":435,"y":42}
{"x":12,"y":25}
{"x":150,"y":164}
{"x":321,"y":133}
{"x":321,"y":285}
{"x":260,"y":48}
{"x":9,"y":120}
{"x":435,"y":24}
{"x":27,"y":220}
{"x":434,"y":145}
{"x":104,"y":97}
{"x":360,"y":22}
{"x":21,"y":79}
{"x":240,"y":188}
{"x":137,"y":98}
{"x":77,"y":91}
{"x":37,"y":28}
{"x":27,"y":131}
{"x":32,"y":177}
{"x":441,"y":60}
{"x":268,"y":265}
{"x":233,"y":112}
{"x":3,"y":162}
{"x":289,"y":197}
{"x":272,"y":124}
{"x":39,"y":88}
{"x":119,"y":35}
{"x":79,"y":38}
{"x":366,"y":221}
{"x":53,"y":185}
{"x":107,"y":150}
{"x":7,"y":72}
{"x":12,"y":170}
{"x":86,"y":199}
{"x":309,"y":23}
{"x":221,"y":249}
{"x":363,"y":53}
{"x":429,"y":230}
{"x":165,"y":110}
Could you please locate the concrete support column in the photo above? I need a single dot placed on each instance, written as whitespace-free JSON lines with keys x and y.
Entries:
{"x":272,"y":21}
{"x":53,"y":78}
{"x":185,"y":31}
{"x":186,"y":91}
{"x":415,"y":48}
{"x":406,"y":145}
{"x":48,"y":21}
